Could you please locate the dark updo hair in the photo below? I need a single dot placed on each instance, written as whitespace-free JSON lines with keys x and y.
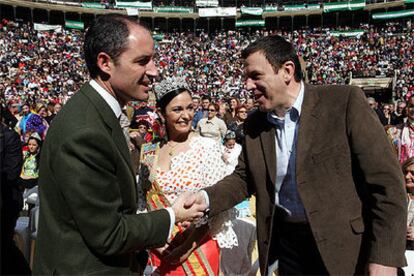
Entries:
{"x":165,"y":100}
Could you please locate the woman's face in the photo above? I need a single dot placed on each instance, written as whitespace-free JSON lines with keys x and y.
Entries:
{"x":409,"y":179}
{"x":57,"y":108}
{"x":33,"y":146}
{"x":25,"y":109}
{"x":242,"y":114}
{"x":233,"y":104}
{"x":212,"y":112}
{"x":179,"y":114}
{"x":42,"y":112}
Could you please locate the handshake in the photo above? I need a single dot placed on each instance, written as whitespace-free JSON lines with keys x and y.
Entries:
{"x":189,"y":207}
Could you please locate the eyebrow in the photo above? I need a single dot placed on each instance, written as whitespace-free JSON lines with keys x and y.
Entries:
{"x":254,"y":73}
{"x":143,"y":57}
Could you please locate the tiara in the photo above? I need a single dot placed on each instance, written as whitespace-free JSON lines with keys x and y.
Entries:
{"x":169,"y":85}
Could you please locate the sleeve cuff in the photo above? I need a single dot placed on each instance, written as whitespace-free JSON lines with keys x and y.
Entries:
{"x":172,"y":221}
{"x":206,"y":198}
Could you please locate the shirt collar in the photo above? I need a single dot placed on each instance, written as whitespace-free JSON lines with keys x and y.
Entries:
{"x":297,"y":105}
{"x":108,"y":98}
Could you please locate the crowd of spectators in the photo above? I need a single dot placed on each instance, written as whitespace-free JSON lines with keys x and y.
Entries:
{"x":37,"y":65}
{"x":49,"y":65}
{"x":42,"y":69}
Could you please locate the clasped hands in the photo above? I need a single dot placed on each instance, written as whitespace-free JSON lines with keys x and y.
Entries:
{"x":188,"y":207}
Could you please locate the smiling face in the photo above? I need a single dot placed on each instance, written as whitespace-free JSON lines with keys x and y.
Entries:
{"x":242,"y":114}
{"x":132,"y":72}
{"x":43,"y":112}
{"x":233,"y":104}
{"x":212,"y":112}
{"x":196,"y":103}
{"x":142,"y":129}
{"x":179,"y":114}
{"x":268,"y":86}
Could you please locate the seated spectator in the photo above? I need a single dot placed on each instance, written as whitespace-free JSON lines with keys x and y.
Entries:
{"x":139,"y":133}
{"x":238,"y":124}
{"x":212,"y":127}
{"x":37,"y":122}
{"x":408,"y":171}
{"x":30,"y":169}
{"x":12,"y":116}
{"x":57,"y":107}
{"x":374,"y":105}
{"x":223,"y":107}
{"x":230,"y":116}
{"x":250,"y":105}
{"x":203,"y":111}
{"x":25,"y":116}
{"x":402,"y":136}
{"x":399,"y":112}
{"x":231,"y":151}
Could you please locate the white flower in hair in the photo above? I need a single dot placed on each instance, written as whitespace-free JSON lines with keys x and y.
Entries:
{"x":169,"y":85}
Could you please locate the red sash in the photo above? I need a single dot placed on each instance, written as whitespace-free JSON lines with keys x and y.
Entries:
{"x":197,"y":263}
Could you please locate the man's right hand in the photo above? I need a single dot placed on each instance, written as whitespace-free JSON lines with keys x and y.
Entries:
{"x":189,"y":206}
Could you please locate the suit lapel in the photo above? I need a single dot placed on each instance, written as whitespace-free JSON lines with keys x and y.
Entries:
{"x":110,"y":120}
{"x":307,"y":126}
{"x":267,"y":137}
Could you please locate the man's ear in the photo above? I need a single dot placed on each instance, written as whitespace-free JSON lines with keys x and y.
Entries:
{"x":105,"y":63}
{"x":288,"y":70}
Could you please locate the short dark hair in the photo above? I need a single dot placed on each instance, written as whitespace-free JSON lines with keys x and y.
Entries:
{"x":108,"y":34}
{"x":277,"y":51}
{"x":206,"y":97}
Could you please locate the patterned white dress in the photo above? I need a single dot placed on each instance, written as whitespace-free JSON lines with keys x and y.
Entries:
{"x":199,"y":167}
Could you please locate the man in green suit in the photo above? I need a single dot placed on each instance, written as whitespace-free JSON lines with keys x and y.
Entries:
{"x":88,"y":197}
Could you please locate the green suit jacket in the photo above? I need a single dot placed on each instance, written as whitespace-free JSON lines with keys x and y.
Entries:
{"x":88,"y":197}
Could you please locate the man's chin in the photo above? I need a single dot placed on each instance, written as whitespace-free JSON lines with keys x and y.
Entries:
{"x":141,"y":95}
